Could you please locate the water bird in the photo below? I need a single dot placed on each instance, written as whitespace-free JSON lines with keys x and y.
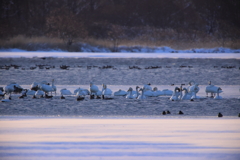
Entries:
{"x":168,"y":112}
{"x":64,"y":91}
{"x":220,"y":114}
{"x":180,"y":112}
{"x":130,"y":95}
{"x":106,"y":92}
{"x":93,"y":89}
{"x":212,"y":89}
{"x":120,"y":93}
{"x":142,"y":96}
{"x":164,"y":113}
{"x":238,"y":114}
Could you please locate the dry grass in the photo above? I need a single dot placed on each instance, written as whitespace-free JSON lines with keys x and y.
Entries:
{"x":159,"y":39}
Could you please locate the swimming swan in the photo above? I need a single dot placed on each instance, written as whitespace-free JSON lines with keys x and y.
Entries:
{"x":106,"y":91}
{"x":142,"y":96}
{"x":120,"y":93}
{"x":130,"y":95}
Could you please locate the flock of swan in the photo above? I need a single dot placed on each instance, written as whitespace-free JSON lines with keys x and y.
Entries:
{"x":42,"y":90}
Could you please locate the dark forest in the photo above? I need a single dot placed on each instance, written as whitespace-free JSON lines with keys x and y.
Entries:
{"x":144,"y":22}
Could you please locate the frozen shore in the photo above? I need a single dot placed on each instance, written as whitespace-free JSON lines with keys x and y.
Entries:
{"x":113,"y":138}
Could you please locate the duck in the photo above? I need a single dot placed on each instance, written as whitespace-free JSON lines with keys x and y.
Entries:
{"x":106,"y":91}
{"x":212,"y":89}
{"x":142,"y":96}
{"x":64,"y":91}
{"x":120,"y":93}
{"x":130,"y":95}
{"x":176,"y":94}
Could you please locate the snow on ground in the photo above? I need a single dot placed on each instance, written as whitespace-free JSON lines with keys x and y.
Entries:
{"x":127,"y":52}
{"x":116,"y":138}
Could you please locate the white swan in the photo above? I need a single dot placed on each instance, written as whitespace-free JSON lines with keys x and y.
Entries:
{"x":120,"y":93}
{"x":130,"y":95}
{"x":31,"y":92}
{"x":136,"y":94}
{"x":6,"y":99}
{"x":34,"y":86}
{"x":93,"y":89}
{"x":156,"y":92}
{"x":85,"y":91}
{"x":212,"y":89}
{"x":176,"y":94}
{"x":12,"y":87}
{"x":186,"y":95}
{"x":147,"y":87}
{"x":39,"y":93}
{"x":194,"y":89}
{"x":142,"y":96}
{"x":65,"y":91}
{"x":54,"y":88}
{"x":167,"y":92}
{"x":106,"y":91}
{"x":45,"y":88}
{"x":217,"y":95}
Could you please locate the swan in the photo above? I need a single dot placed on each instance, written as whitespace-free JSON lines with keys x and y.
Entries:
{"x":106,"y":91}
{"x":64,"y":91}
{"x":34,"y":86}
{"x":156,"y":92}
{"x":212,"y":89}
{"x":6,"y":99}
{"x":176,"y":94}
{"x":13,"y":87}
{"x":147,"y":87}
{"x":31,"y":92}
{"x":45,"y":88}
{"x":120,"y":93}
{"x":136,"y":94}
{"x":39,"y":93}
{"x":142,"y":96}
{"x":93,"y":89}
{"x":84,"y":90}
{"x":80,"y":94}
{"x":54,"y":88}
{"x":217,"y":95}
{"x":130,"y":95}
{"x":193,"y":89}
{"x":167,"y":92}
{"x":186,"y":95}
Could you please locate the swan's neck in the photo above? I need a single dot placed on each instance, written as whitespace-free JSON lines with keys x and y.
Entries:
{"x":52,"y":83}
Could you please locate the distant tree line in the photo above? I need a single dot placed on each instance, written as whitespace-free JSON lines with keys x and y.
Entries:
{"x":116,"y":19}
